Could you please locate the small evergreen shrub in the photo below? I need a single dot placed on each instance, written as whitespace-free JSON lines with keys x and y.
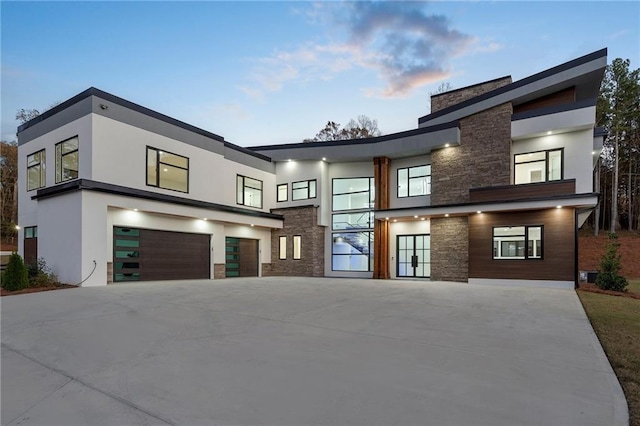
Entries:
{"x":16,"y":276}
{"x":40,"y":274}
{"x":609,"y":277}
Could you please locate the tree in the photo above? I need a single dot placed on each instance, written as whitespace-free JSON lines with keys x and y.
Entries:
{"x":363,"y":127}
{"x":16,"y":277}
{"x":609,"y":277}
{"x":9,"y":187}
{"x":24,"y":115}
{"x":618,"y":111}
{"x":445,"y":86}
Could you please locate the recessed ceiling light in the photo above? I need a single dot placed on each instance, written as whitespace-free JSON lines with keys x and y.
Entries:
{"x":165,"y":170}
{"x":395,"y":220}
{"x":386,"y":218}
{"x":205,"y":218}
{"x":135,"y":210}
{"x":289,"y":159}
{"x":558,"y":207}
{"x":549,"y":132}
{"x":252,"y":225}
{"x":446,"y":145}
{"x":415,"y":216}
{"x":422,"y":218}
{"x":324,"y":158}
{"x":593,"y":152}
{"x":446,"y":215}
{"x":478,"y":212}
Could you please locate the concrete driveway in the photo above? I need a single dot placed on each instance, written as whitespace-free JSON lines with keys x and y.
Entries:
{"x":294,"y":351}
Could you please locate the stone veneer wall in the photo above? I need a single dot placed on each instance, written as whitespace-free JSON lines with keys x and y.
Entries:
{"x":301,"y":221}
{"x":482,"y":159}
{"x":219,"y":271}
{"x":453,"y":97}
{"x":450,"y":249}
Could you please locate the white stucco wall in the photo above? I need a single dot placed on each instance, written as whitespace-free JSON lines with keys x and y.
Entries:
{"x":119,"y":157}
{"x":294,"y":171}
{"x":578,"y":161}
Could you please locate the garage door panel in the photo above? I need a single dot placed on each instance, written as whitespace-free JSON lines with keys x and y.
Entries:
{"x":163,"y":255}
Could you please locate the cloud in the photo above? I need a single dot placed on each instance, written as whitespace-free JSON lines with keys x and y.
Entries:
{"x":402,"y":42}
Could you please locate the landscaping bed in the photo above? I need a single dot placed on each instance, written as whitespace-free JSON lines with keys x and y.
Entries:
{"x":4,"y":292}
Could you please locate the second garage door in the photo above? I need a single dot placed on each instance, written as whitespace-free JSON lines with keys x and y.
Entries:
{"x":149,"y":255}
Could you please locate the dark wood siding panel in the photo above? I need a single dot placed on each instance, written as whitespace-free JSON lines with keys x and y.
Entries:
{"x":558,"y":241}
{"x":561,"y":97}
{"x":30,"y":250}
{"x":168,"y":255}
{"x":248,"y":258}
{"x":517,"y":192}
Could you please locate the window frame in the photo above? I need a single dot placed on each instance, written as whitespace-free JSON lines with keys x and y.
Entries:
{"x":33,"y":231}
{"x":157,"y":165}
{"x":283,"y":238}
{"x":408,"y":182}
{"x":308,"y":189}
{"x":298,"y":239}
{"x":526,"y":242}
{"x":244,"y":186}
{"x":546,"y":165}
{"x":370,"y":233}
{"x":59,"y":159}
{"x":286,"y":185}
{"x":371,"y":185}
{"x":42,"y":165}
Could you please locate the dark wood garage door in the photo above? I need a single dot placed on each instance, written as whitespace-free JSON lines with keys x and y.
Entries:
{"x":149,"y":255}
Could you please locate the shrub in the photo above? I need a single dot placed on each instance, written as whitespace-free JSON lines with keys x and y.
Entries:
{"x":15,"y":277}
{"x":609,"y":277}
{"x":40,"y":274}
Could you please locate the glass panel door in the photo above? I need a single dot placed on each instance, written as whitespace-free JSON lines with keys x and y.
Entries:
{"x":414,"y":256}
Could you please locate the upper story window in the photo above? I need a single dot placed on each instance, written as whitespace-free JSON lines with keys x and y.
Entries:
{"x":283,"y":192}
{"x":414,"y":181}
{"x":303,"y":190}
{"x":517,"y":242}
{"x":353,"y":193}
{"x":30,"y":232}
{"x":540,"y":166}
{"x":167,"y":170}
{"x":36,"y":176}
{"x":249,"y":191}
{"x":67,"y":160}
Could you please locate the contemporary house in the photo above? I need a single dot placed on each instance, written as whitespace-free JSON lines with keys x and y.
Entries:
{"x":492,"y":185}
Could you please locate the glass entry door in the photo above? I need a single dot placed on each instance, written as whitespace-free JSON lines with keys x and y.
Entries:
{"x":414,"y":256}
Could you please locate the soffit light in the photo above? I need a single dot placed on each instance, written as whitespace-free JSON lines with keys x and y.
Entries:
{"x":446,"y":145}
{"x":558,"y":207}
{"x":479,"y":212}
{"x":415,"y":216}
{"x":446,"y":215}
{"x":549,"y":132}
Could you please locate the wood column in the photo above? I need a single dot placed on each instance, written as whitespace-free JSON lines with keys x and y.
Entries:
{"x":381,"y":167}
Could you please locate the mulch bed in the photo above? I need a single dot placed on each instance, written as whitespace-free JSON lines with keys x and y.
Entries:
{"x":595,"y":289}
{"x":4,"y":292}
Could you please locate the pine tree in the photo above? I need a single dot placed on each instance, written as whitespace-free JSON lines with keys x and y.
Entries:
{"x":609,"y":277}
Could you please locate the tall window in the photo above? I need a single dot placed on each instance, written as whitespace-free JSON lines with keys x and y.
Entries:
{"x":283,"y":248}
{"x":36,"y":176}
{"x":414,"y":181}
{"x":303,"y":190}
{"x":518,"y":242}
{"x":540,"y":166}
{"x":283,"y":190}
{"x":249,"y":191}
{"x":297,"y":247}
{"x":352,"y":245}
{"x":67,"y":160}
{"x":167,"y":170}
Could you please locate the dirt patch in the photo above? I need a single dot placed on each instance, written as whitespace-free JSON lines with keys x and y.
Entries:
{"x":4,"y":292}
{"x":595,"y":289}
{"x":591,"y":249}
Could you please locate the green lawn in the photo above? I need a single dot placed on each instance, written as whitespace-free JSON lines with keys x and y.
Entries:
{"x":616,"y":321}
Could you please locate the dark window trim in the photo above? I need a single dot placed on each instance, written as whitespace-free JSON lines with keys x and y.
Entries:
{"x":244,"y":185}
{"x":33,"y":234}
{"x":293,"y":247}
{"x":369,"y":267}
{"x":409,"y":180}
{"x":59,"y":160}
{"x":526,"y":242}
{"x":414,"y":250}
{"x":371,"y":178}
{"x":158,"y":163}
{"x":43,"y":150}
{"x":308,"y":188}
{"x":286,"y":185}
{"x":546,"y":164}
{"x":341,"y":212}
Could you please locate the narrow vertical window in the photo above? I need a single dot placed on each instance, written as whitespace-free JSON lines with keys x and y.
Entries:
{"x":283,"y":192}
{"x":283,"y":248}
{"x":297,"y":249}
{"x":67,"y":160}
{"x":36,"y":174}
